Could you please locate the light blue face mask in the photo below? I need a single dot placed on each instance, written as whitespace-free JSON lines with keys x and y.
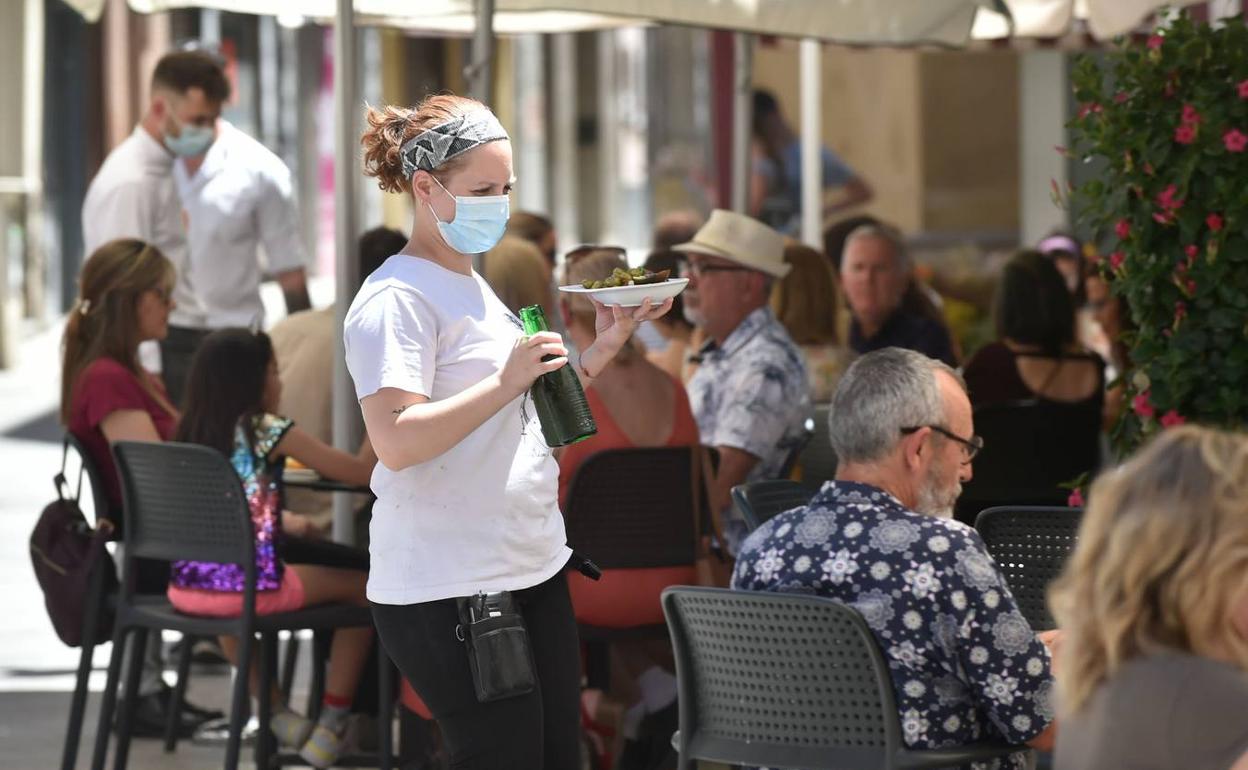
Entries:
{"x":193,"y":141}
{"x":479,"y":222}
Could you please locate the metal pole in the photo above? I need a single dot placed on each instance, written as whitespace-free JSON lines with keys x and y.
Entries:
{"x":36,"y":272}
{"x":742,"y":118}
{"x":565,"y":211}
{"x":346,"y":412}
{"x":812,"y":168}
{"x":480,"y":82}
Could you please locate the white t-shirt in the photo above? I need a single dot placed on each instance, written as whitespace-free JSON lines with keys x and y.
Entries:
{"x":240,"y":198}
{"x":484,"y":515}
{"x":133,"y":196}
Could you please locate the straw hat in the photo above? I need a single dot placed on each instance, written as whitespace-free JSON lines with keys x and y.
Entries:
{"x":741,"y":239}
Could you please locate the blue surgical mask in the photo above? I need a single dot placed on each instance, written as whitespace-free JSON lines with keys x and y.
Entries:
{"x":479,"y":222}
{"x":192,"y":142}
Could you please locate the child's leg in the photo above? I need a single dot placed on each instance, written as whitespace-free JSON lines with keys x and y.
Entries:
{"x":347,"y":654}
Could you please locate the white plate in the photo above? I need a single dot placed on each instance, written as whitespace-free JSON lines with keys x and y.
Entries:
{"x":632,"y":296}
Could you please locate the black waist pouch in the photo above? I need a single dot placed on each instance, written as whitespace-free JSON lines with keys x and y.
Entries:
{"x":498,"y":646}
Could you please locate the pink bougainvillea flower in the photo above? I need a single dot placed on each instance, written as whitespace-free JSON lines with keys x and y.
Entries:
{"x":1076,"y":498}
{"x":1091,"y":108}
{"x":1243,"y":89}
{"x":1190,"y":116}
{"x":1185,"y":134}
{"x":1214,"y":222}
{"x":1122,"y":229}
{"x":1180,"y":268}
{"x":1191,"y":251}
{"x":1163,"y":218}
{"x":1166,"y":199}
{"x":1191,"y":285}
{"x":1171,"y":419}
{"x":1180,"y":311}
{"x":1235,"y":140}
{"x":1116,"y":259}
{"x":1121,"y":97}
{"x":1142,"y":406}
{"x":1155,"y":41}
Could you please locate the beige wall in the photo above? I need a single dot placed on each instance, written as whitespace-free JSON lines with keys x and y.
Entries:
{"x":970,"y":141}
{"x":935,"y":133}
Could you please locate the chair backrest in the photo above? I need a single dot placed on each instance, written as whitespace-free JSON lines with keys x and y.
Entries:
{"x":95,"y":479}
{"x":635,"y":508}
{"x":817,"y":460}
{"x":1031,"y":448}
{"x":1031,"y":545}
{"x":781,"y":680}
{"x":759,"y":501}
{"x":184,"y":501}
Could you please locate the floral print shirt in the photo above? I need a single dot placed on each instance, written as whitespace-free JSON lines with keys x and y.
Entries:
{"x":752,"y":393}
{"x":261,"y":476}
{"x":966,"y":666}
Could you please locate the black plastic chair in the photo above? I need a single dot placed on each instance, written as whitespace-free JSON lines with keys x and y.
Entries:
{"x":184,"y":501}
{"x":759,"y":501}
{"x":817,"y":459}
{"x":633,"y":509}
{"x":786,"y":680}
{"x":1030,"y":545}
{"x":1031,"y":448}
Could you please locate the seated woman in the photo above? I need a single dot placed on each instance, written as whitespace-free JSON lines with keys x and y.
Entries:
{"x":1036,"y":356}
{"x":518,"y":273}
{"x":805,"y":302}
{"x":1153,"y":665}
{"x":232,"y":390}
{"x":674,"y":330}
{"x":636,"y":404}
{"x":125,"y":295}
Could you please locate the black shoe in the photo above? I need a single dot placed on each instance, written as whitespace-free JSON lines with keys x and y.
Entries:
{"x":196,"y":714}
{"x":149,"y":718}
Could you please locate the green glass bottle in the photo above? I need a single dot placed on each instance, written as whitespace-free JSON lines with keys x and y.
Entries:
{"x":557,"y":396}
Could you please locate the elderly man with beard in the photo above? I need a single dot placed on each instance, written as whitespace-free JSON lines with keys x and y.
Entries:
{"x":965,"y":664}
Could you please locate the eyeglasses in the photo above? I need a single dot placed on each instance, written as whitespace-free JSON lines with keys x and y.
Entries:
{"x":970,"y":446}
{"x":699,"y":269}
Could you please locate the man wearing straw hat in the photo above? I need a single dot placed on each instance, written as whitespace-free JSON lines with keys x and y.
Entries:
{"x":750,"y":395}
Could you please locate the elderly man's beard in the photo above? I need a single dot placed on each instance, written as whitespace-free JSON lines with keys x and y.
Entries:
{"x":935,"y":500}
{"x":693,"y":316}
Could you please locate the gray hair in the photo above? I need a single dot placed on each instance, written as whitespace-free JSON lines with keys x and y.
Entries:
{"x":880,"y":394}
{"x":882,"y":232}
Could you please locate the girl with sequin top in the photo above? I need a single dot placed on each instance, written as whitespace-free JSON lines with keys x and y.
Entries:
{"x":233,"y":390}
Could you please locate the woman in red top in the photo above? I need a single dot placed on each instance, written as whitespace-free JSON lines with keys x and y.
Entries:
{"x":635,"y":404}
{"x":106,"y":395}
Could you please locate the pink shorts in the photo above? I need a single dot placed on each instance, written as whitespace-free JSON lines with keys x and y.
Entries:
{"x":229,"y":604}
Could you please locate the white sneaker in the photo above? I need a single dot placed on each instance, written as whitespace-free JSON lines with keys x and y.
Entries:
{"x":323,"y":746}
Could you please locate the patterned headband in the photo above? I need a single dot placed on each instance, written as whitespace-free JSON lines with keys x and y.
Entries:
{"x":429,"y":149}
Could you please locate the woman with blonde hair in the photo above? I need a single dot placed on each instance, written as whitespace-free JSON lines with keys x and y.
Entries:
{"x":1153,"y":666}
{"x":805,"y":302}
{"x":518,"y":274}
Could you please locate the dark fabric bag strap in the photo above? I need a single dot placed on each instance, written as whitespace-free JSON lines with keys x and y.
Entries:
{"x":59,"y":479}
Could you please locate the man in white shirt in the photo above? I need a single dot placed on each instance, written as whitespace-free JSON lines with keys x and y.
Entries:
{"x":133,"y":196}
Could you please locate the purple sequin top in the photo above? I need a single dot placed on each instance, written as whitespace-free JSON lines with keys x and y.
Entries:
{"x":261,"y":475}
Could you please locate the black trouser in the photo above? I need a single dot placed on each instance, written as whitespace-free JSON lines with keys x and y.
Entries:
{"x":176,"y":351}
{"x":537,"y":731}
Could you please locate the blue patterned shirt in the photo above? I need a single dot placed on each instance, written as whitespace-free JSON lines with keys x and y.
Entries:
{"x":966,"y":665}
{"x":752,"y":393}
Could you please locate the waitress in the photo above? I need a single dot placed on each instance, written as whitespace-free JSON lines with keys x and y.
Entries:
{"x":466,"y":488}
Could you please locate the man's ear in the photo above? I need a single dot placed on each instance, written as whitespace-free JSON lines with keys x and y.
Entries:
{"x":915,"y":446}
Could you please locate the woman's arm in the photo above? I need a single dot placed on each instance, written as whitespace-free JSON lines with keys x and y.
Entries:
{"x":408,"y":429}
{"x":324,"y":459}
{"x":613,"y":325}
{"x":129,"y":425}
